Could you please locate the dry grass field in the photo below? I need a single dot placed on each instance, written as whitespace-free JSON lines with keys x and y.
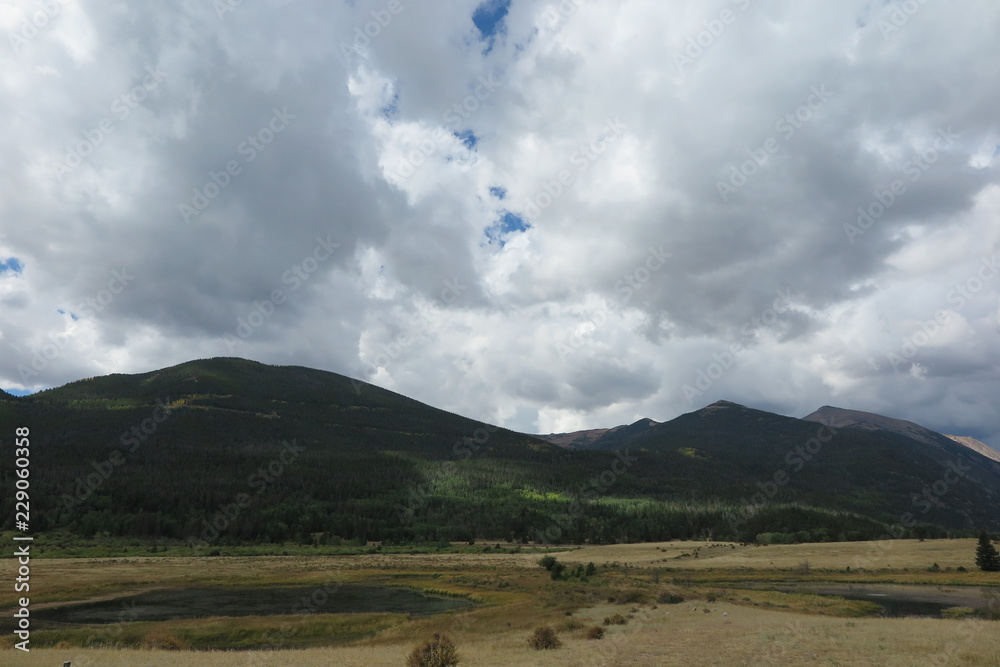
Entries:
{"x":515,"y":595}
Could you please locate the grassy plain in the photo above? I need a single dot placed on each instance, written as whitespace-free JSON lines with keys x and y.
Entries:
{"x":515,"y":595}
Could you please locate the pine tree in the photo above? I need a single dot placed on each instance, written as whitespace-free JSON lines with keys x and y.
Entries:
{"x":987,"y":556}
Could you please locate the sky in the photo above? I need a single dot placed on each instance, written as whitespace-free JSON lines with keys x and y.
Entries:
{"x":548,"y":215}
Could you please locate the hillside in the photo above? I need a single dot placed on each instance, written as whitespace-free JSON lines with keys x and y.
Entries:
{"x":976,"y":446}
{"x":841,"y":418}
{"x":233,"y":451}
{"x":600,"y":438}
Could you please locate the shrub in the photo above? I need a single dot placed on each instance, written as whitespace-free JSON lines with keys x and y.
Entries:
{"x":160,"y":640}
{"x":631,"y":597}
{"x":711,"y":597}
{"x":544,"y":638}
{"x":669,"y":598}
{"x":571,"y":624}
{"x":591,"y":570}
{"x":596,"y":632}
{"x":957,"y":612}
{"x":556,"y":571}
{"x":547,"y":562}
{"x":437,"y":652}
{"x":615,"y":619}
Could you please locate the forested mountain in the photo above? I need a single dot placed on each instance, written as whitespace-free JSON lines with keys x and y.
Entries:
{"x":229,"y":451}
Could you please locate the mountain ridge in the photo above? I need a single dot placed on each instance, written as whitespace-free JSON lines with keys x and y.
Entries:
{"x":355,"y":461}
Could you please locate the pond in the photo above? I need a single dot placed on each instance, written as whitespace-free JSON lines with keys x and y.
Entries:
{"x":897,"y":600}
{"x":169,"y":604}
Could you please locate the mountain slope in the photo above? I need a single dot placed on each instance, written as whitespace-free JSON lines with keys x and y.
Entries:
{"x":976,"y":446}
{"x":601,"y":438}
{"x":882,"y":472}
{"x":841,"y":418}
{"x":229,"y":450}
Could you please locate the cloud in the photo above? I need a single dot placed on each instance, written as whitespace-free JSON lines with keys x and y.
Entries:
{"x":499,"y":179}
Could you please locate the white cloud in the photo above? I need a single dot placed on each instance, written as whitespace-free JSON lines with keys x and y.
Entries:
{"x":553,"y":86}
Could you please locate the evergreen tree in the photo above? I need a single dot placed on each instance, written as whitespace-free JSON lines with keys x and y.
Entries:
{"x":987,"y":556}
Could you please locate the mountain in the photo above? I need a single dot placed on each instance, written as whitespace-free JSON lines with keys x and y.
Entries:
{"x":976,"y":446}
{"x":851,"y":468}
{"x":601,"y":438}
{"x":842,"y":418}
{"x":233,"y":451}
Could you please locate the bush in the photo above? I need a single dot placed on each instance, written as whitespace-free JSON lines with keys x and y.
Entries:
{"x":711,"y":597}
{"x":556,"y":571}
{"x":669,"y":598}
{"x":571,"y":624}
{"x":547,"y":562}
{"x":438,"y":652}
{"x":631,"y":597}
{"x":958,"y":612}
{"x":162,"y":641}
{"x":615,"y":619}
{"x":544,"y":638}
{"x":596,"y":632}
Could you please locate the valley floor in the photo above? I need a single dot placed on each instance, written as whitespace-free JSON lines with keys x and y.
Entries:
{"x":743,"y":626}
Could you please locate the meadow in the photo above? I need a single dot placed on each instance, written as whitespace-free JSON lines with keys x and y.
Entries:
{"x":730,"y":615}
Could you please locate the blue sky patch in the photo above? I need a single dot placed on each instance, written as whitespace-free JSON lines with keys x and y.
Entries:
{"x":392,"y":108}
{"x":19,"y":392}
{"x":468,"y":138}
{"x":489,"y":18}
{"x":12,"y":264}
{"x":509,"y":223}
{"x":498,"y":192}
{"x":66,"y":312}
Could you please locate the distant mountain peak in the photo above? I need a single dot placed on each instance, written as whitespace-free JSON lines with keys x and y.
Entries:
{"x":599,"y":436}
{"x":976,"y":445}
{"x":844,"y":418}
{"x":724,"y":404}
